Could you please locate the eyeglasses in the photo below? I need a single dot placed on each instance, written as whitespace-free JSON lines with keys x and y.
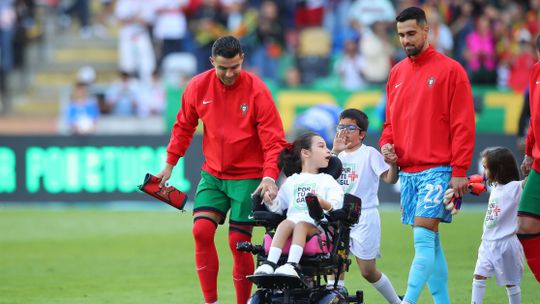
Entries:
{"x":349,"y":128}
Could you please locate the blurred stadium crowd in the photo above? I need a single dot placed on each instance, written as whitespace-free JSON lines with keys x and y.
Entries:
{"x":350,"y":44}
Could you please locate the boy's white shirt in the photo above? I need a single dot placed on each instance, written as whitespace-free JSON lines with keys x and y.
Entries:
{"x":292,"y":192}
{"x":501,"y":215}
{"x":361,"y":173}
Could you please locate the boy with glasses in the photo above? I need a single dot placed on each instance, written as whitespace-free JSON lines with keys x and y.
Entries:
{"x":363,"y":166}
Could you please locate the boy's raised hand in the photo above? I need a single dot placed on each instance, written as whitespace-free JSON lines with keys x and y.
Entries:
{"x":340,"y":142}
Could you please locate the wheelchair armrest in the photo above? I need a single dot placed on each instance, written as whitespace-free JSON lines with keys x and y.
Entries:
{"x":267,"y":218}
{"x":314,"y":208}
{"x":336,"y":215}
{"x":262,"y":216}
{"x":350,"y":213}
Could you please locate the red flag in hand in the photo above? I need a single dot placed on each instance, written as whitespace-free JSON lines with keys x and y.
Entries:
{"x":167,"y":194}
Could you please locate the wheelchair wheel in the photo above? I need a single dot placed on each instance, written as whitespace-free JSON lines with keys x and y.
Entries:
{"x":332,"y":298}
{"x":260,"y":297}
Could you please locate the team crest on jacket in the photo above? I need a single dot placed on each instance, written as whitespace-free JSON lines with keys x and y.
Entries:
{"x":431,"y":81}
{"x":244,"y":108}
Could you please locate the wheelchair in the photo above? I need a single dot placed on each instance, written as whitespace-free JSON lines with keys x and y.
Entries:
{"x":324,"y":254}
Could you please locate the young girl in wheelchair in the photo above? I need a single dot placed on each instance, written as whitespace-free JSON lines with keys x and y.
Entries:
{"x":301,"y":162}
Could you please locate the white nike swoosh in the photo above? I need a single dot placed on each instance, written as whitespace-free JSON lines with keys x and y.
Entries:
{"x":430,"y":206}
{"x":201,"y":268}
{"x":207,"y":101}
{"x":538,"y":82}
{"x":250,"y":217}
{"x":397,"y":85}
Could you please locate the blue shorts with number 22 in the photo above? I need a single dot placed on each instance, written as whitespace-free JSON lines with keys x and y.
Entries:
{"x":422,"y":194}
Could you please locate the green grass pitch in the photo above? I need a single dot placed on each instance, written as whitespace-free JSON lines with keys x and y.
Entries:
{"x":99,"y":256}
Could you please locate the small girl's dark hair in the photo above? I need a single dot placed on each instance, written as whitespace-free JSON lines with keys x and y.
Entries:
{"x":289,"y":159}
{"x":502,"y":165}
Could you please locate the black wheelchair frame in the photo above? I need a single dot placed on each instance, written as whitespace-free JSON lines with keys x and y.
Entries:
{"x":312,"y":286}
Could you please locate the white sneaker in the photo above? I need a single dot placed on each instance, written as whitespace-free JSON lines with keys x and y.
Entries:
{"x":287,"y":269}
{"x":264,"y":269}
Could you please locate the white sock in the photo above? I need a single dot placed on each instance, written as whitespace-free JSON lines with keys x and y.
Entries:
{"x":330,"y":283}
{"x":514,"y":295}
{"x":295,"y":254}
{"x":273,"y":254}
{"x":478,"y":291}
{"x":384,"y":286}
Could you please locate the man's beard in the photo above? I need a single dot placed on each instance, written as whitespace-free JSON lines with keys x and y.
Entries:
{"x":413,"y":51}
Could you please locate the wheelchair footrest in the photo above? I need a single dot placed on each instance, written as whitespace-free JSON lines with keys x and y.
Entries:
{"x":277,"y":281}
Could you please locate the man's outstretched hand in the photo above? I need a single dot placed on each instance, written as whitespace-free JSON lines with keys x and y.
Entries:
{"x":526,"y":165}
{"x":459,"y":184}
{"x":389,"y":153}
{"x":267,"y":189}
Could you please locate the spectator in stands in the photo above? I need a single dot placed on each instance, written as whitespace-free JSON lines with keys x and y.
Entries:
{"x":122,"y":96}
{"x":337,"y":24}
{"x":440,"y":36}
{"x":480,"y":53}
{"x":293,"y":78}
{"x":135,"y":50}
{"x":86,"y":74}
{"x":104,"y":18}
{"x":377,"y":51}
{"x":170,"y":26}
{"x":7,"y":26}
{"x":208,"y":23}
{"x":151,"y":97}
{"x":241,"y":20}
{"x":309,"y":13}
{"x":82,"y":111}
{"x":269,"y":41}
{"x":82,"y":9}
{"x":524,"y":122}
{"x":522,"y":63}
{"x":461,"y":26}
{"x":364,"y":13}
{"x":532,"y":20}
{"x":25,"y":13}
{"x":350,"y":66}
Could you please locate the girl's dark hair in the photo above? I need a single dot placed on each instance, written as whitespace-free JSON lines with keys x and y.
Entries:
{"x":502,"y":165}
{"x":289,"y":159}
{"x":358,"y":116}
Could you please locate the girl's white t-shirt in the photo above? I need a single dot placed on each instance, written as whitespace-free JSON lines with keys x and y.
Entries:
{"x":501,"y":215}
{"x":362,"y":169}
{"x":291,"y":195}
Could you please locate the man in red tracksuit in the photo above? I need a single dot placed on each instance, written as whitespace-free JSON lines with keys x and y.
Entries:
{"x":243,"y":136}
{"x":529,"y":205}
{"x":429,"y":127}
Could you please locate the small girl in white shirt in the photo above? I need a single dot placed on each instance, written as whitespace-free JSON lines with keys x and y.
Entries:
{"x":500,"y":252}
{"x":301,"y":162}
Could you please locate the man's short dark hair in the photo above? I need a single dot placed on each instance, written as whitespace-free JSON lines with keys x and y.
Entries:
{"x":358,"y":116}
{"x":227,"y":47}
{"x":412,"y":13}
